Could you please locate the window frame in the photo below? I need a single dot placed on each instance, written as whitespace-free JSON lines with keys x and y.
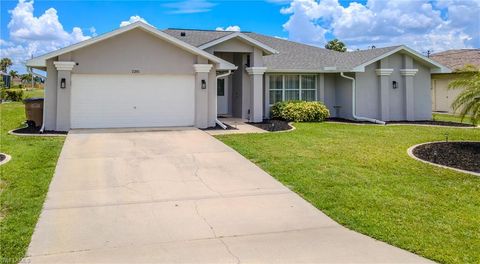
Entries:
{"x":300,"y":88}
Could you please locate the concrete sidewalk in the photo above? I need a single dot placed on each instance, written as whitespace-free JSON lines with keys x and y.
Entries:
{"x":121,"y":196}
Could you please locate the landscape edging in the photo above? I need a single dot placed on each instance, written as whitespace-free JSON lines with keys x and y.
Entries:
{"x":410,"y":153}
{"x":7,"y":158}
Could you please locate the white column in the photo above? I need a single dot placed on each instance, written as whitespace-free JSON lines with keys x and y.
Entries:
{"x":384,"y":93}
{"x":201,"y":94}
{"x":256,"y":93}
{"x":408,"y":75}
{"x":64,"y":88}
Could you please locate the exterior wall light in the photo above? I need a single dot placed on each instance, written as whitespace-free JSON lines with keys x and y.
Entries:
{"x":204,"y":84}
{"x":394,"y":85}
{"x":63,"y":83}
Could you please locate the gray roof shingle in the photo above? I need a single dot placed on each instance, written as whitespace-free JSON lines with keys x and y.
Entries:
{"x":292,"y":55}
{"x":456,"y":59}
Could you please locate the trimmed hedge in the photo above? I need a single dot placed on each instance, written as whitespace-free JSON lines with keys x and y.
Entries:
{"x":15,"y":95}
{"x":300,"y":111}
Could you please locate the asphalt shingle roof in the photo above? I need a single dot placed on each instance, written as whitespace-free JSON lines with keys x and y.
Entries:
{"x":456,"y":59}
{"x":292,"y":55}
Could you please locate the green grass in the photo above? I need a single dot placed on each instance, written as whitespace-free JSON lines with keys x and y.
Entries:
{"x":33,"y":93}
{"x":362,"y":177}
{"x":23,"y":182}
{"x":451,"y":118}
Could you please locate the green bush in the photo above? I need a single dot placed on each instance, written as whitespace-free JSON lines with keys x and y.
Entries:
{"x":14,"y":95}
{"x":300,"y":111}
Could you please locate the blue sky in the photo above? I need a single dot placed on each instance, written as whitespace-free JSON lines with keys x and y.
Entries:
{"x":36,"y":27}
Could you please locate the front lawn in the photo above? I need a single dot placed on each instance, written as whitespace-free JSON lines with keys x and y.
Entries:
{"x":362,"y":177}
{"x":451,"y":118}
{"x":23,"y":181}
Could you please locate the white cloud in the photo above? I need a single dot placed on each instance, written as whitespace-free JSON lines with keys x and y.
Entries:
{"x":419,"y":24}
{"x":229,"y":28}
{"x":190,"y":6}
{"x":132,"y":20}
{"x":33,"y":36}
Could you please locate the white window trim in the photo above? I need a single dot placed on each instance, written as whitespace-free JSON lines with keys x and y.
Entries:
{"x":299,"y":85}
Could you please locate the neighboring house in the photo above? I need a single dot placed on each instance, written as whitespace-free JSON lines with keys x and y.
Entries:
{"x":442,"y":97}
{"x":138,"y":76}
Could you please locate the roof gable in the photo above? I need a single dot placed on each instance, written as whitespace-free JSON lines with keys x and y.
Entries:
{"x":435,"y":66}
{"x":41,"y":60}
{"x":267,"y":50}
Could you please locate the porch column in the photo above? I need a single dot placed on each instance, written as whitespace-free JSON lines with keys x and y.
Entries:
{"x":64,"y":89}
{"x":384,"y":92}
{"x":201,"y":94}
{"x":408,"y":75}
{"x":256,"y":94}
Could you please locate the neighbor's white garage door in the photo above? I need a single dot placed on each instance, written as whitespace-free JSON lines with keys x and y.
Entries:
{"x":104,"y":101}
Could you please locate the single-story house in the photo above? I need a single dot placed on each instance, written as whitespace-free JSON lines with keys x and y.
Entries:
{"x":442,"y":97}
{"x":139,"y":76}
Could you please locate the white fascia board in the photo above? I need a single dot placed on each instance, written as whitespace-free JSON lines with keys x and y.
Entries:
{"x":437,"y":67}
{"x":41,"y":60}
{"x":269,"y":70}
{"x":267,"y":49}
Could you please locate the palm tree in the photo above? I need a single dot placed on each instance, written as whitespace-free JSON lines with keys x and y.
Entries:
{"x":5,"y":63}
{"x":13,"y":73}
{"x":468,"y":101}
{"x":336,"y":45}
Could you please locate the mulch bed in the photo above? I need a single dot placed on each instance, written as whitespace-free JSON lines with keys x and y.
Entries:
{"x":217,"y":127}
{"x":460,"y":155}
{"x":343,"y":120}
{"x":2,"y":157}
{"x":36,"y":130}
{"x":272,"y":125}
{"x":425,"y":122}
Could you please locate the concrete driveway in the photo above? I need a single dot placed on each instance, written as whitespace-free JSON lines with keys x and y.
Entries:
{"x":182,"y":196}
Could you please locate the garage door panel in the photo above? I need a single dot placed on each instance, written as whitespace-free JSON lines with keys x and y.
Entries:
{"x":101,"y":101}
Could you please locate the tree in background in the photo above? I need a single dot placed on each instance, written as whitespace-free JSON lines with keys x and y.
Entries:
{"x":468,"y":101}
{"x":13,"y":73}
{"x":336,"y":45}
{"x":5,"y":63}
{"x":26,"y":78}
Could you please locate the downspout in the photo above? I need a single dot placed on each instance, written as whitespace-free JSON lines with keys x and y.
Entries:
{"x":354,"y":107}
{"x":222,"y":125}
{"x":29,"y":70}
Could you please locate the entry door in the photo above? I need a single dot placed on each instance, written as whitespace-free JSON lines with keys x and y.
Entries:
{"x":222,"y":96}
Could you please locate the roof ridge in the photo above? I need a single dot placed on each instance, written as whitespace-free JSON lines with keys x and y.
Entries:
{"x":206,"y":30}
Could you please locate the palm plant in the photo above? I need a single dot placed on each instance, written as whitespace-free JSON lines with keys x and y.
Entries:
{"x":468,"y":101}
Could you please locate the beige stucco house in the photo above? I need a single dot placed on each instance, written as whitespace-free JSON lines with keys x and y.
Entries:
{"x":139,"y":76}
{"x":442,"y":97}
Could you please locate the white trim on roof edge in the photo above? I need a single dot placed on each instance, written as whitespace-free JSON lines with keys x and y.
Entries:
{"x":267,"y":49}
{"x":41,"y":60}
{"x":440,"y":68}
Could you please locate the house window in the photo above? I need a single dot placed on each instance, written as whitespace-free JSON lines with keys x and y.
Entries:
{"x":292,"y":87}
{"x":276,"y":88}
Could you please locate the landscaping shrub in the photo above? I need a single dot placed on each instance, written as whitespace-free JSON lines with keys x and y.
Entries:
{"x":14,"y":95}
{"x":300,"y":111}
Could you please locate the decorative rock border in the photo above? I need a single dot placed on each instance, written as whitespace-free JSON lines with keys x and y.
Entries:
{"x":7,"y":159}
{"x":410,"y":153}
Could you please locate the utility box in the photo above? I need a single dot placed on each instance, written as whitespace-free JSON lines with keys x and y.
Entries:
{"x":34,"y":111}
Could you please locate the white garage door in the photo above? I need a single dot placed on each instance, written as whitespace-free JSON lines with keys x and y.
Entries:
{"x":104,"y":101}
